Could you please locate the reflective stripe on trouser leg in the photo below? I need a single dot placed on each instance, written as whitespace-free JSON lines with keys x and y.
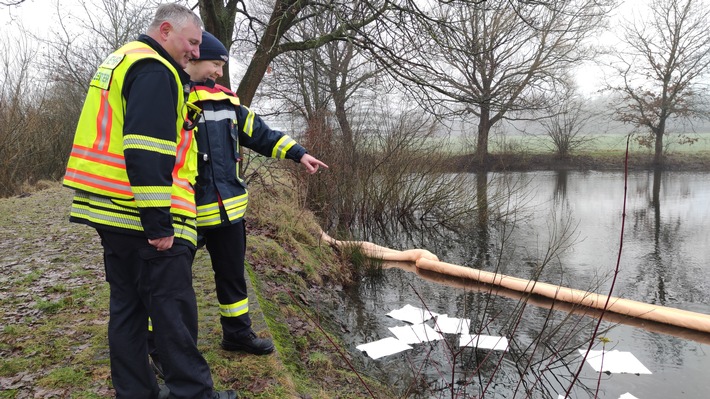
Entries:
{"x":226,"y":246}
{"x":234,"y":309}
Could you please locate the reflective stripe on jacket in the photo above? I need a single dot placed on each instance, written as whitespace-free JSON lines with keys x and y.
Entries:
{"x":223,"y":127}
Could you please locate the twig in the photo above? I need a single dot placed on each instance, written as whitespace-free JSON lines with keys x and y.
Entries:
{"x":616,"y":273}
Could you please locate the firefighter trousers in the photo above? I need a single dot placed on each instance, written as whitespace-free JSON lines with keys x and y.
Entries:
{"x":226,"y":246}
{"x":145,"y":282}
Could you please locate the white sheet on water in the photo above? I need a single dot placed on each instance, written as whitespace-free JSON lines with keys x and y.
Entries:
{"x":383,"y":347}
{"x":484,"y":342}
{"x":615,"y":362}
{"x":452,"y":325}
{"x":415,"y":334}
{"x":412,"y":314}
{"x":624,"y":396}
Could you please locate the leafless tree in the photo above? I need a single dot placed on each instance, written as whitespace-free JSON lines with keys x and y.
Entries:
{"x":569,"y":117}
{"x":669,"y":53}
{"x":328,"y":91}
{"x":46,"y":79}
{"x":82,"y":38}
{"x":78,"y":42}
{"x":33,"y":144}
{"x":14,"y":90}
{"x":268,"y":34}
{"x":326,"y":80}
{"x":489,"y":59}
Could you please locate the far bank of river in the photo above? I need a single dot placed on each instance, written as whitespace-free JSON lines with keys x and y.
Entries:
{"x":691,"y":161}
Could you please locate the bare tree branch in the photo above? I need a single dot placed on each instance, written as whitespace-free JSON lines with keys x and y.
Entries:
{"x":661,"y":72}
{"x":11,"y":3}
{"x":487,"y":59}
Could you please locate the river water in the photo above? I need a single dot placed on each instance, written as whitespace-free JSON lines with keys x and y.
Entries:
{"x":663,"y":258}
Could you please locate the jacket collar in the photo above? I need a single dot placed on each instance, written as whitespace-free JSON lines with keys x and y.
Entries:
{"x":184,"y":77}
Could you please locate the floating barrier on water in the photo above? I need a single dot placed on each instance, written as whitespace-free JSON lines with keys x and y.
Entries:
{"x":426,"y":260}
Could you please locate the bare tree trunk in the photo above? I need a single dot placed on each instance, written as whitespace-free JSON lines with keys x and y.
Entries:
{"x":281,"y":19}
{"x":658,"y":155}
{"x":253,"y":76}
{"x":342,"y":117}
{"x":218,"y":19}
{"x":349,"y":152}
{"x":484,"y":128}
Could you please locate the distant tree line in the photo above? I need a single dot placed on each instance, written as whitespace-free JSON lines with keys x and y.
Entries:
{"x":340,"y":70}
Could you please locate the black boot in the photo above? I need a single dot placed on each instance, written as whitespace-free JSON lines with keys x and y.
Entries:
{"x":249,"y":344}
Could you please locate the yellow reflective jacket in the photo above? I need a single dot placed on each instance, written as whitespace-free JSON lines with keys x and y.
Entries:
{"x":96,"y":166}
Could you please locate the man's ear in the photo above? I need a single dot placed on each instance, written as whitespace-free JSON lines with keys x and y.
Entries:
{"x":164,"y":29}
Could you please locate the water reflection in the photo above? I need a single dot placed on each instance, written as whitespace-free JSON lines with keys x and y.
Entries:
{"x":482,"y":235}
{"x":664,"y":260}
{"x":560,"y":193}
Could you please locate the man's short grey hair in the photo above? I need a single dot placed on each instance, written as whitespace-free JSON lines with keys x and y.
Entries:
{"x":176,"y":14}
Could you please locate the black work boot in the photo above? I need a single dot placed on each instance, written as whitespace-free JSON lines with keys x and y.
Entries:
{"x":249,"y":344}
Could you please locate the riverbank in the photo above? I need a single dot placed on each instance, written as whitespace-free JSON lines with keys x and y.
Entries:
{"x":696,"y":161}
{"x":54,"y":305}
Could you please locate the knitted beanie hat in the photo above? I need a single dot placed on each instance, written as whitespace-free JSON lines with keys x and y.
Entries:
{"x":212,"y":49}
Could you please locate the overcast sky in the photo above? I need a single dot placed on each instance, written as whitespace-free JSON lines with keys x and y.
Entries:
{"x":37,"y":16}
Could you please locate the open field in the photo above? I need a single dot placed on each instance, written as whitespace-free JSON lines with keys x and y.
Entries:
{"x":603,"y":152}
{"x":605,"y":143}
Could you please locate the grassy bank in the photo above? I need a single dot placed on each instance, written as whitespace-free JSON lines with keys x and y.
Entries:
{"x":54,"y":305}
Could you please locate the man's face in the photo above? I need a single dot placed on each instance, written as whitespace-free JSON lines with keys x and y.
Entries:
{"x":207,"y":69}
{"x":182,"y":43}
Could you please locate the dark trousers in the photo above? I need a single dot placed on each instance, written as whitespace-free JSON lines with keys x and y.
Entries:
{"x":226,"y":246}
{"x":146,"y":282}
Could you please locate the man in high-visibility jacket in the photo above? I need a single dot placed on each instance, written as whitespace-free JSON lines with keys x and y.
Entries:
{"x":132,"y":167}
{"x":221,"y":194}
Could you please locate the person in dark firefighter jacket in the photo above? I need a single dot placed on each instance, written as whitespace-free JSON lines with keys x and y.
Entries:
{"x":132,"y":167}
{"x":220,"y":193}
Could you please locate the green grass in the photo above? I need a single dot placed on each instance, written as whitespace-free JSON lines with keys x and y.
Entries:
{"x":53,"y":306}
{"x":64,"y":377}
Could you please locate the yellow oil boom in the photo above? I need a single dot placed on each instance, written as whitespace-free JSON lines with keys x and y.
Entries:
{"x":425,"y":260}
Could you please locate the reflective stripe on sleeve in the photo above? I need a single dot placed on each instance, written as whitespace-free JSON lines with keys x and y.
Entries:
{"x":138,"y":142}
{"x":282,"y":146}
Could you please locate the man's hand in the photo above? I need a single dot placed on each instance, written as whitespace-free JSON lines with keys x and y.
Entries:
{"x":161,"y":244}
{"x":312,"y":163}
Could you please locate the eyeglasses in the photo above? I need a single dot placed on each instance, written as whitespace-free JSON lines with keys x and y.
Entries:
{"x":193,"y":116}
